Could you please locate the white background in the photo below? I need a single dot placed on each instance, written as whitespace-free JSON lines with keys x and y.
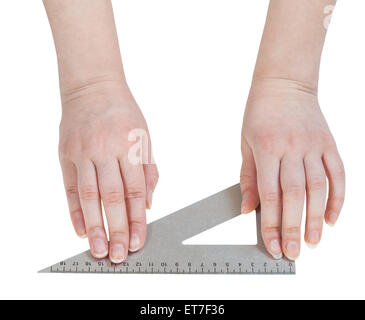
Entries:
{"x":189,"y":65}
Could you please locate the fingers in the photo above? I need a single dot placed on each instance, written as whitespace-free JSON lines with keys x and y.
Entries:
{"x":124,"y":198}
{"x":135,"y":195}
{"x":91,"y":207}
{"x":70,"y":181}
{"x":112,"y":195}
{"x":151,"y":179}
{"x":292,"y":178}
{"x":336,"y":177}
{"x":270,"y":200}
{"x":316,"y":186}
{"x":250,"y":196}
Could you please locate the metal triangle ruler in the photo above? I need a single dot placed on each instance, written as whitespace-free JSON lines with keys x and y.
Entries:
{"x":165,"y":253}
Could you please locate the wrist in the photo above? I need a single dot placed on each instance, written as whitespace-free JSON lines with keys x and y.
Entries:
{"x":277,"y":88}
{"x":106,"y":86}
{"x":301,"y":76}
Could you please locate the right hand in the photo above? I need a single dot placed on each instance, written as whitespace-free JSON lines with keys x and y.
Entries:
{"x":97,"y":125}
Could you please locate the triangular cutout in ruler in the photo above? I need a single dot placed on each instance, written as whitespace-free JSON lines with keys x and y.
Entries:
{"x":240,"y":230}
{"x":165,"y":253}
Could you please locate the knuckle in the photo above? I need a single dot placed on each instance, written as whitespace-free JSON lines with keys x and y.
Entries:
{"x":153,"y":180}
{"x":90,"y":152}
{"x":337,"y":201}
{"x":294,"y":191}
{"x":155,"y":176}
{"x":249,"y":190}
{"x":79,"y":148}
{"x":76,"y":213}
{"x":270,"y":197}
{"x":294,"y":139}
{"x":265,"y":142}
{"x":269,"y":229}
{"x":246,"y":176}
{"x":328,"y":141}
{"x":316,"y":219}
{"x":135,"y":193}
{"x":88,"y":193}
{"x":95,"y":231}
{"x":291,"y":230}
{"x":112,"y":197}
{"x":339,"y":173}
{"x":67,"y":149}
{"x":71,"y":191}
{"x":118,"y":234}
{"x":138,"y":222}
{"x":317,"y":183}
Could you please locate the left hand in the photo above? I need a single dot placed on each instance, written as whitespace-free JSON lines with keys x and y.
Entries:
{"x":288,"y":151}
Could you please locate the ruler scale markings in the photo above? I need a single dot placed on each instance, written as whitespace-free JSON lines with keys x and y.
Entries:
{"x":164,"y":252}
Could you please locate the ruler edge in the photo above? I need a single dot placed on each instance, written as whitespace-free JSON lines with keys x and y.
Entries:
{"x":48,"y":269}
{"x":151,"y":223}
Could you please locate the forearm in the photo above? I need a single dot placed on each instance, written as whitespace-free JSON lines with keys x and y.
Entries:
{"x":292,"y":42}
{"x":86,"y":43}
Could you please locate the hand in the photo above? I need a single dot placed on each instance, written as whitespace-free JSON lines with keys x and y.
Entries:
{"x":97,"y":122}
{"x":287,"y":151}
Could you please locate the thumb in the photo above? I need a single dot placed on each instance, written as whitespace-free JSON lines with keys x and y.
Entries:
{"x":248,"y":181}
{"x":151,"y":179}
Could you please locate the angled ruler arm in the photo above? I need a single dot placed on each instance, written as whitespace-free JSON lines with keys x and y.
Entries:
{"x":200,"y":216}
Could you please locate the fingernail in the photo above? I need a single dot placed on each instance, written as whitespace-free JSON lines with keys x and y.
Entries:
{"x":117,"y":253}
{"x":311,"y":246}
{"x":313,"y":239}
{"x":149,"y":199}
{"x":100,"y":249}
{"x":243,"y":203}
{"x":134,"y":243}
{"x":276,"y":249}
{"x":81,"y":232}
{"x":332,"y":219}
{"x":292,"y":250}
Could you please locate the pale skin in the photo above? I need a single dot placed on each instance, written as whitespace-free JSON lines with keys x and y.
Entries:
{"x":288,"y":150}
